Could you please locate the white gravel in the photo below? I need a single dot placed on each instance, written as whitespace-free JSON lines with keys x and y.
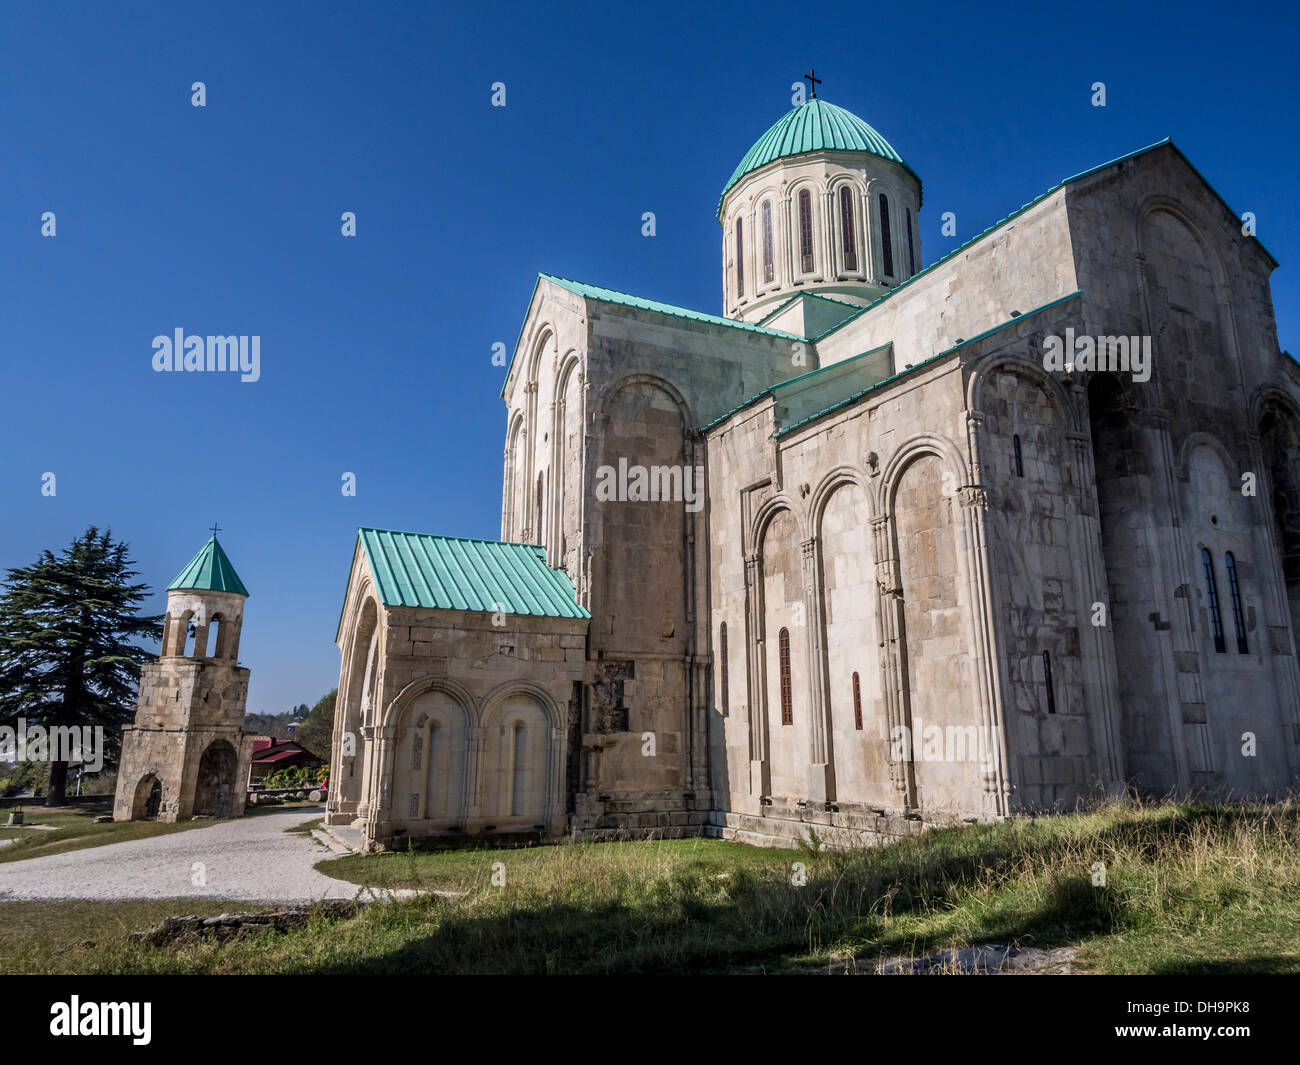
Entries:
{"x":252,"y":859}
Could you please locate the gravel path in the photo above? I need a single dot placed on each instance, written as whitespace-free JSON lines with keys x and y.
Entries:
{"x":252,"y":859}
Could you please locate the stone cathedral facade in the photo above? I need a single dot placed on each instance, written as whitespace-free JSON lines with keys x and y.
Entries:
{"x":884,"y":545}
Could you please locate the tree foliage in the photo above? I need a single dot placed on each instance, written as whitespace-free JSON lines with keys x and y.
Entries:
{"x":68,"y":656}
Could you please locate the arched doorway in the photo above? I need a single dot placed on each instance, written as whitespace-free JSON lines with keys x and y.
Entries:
{"x":148,"y":799}
{"x":214,"y":792}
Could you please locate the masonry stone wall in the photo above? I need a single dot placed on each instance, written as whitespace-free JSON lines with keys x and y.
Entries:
{"x":187,"y":735}
{"x":458,"y":728}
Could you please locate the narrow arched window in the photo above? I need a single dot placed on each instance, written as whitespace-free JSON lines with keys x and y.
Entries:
{"x":1212,"y":592}
{"x":1234,"y":592}
{"x":519,"y":766}
{"x":722,"y":670}
{"x":740,"y":257}
{"x":787,"y":693}
{"x":537,"y":529}
{"x":886,"y":244}
{"x":849,"y":236}
{"x":805,"y":231}
{"x":1051,"y":686}
{"x":857,"y":703}
{"x":1020,"y":462}
{"x":768,"y":258}
{"x":911,"y":247}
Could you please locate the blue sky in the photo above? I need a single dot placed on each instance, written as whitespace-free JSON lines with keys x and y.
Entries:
{"x":376,"y":350}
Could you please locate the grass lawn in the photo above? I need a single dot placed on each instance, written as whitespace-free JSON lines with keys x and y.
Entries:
{"x":1187,"y":889}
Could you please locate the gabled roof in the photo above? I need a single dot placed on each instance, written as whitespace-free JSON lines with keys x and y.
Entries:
{"x":454,"y":573}
{"x":623,"y":299}
{"x":209,"y":571}
{"x":608,"y":295}
{"x":1168,"y":141}
{"x":813,"y":126}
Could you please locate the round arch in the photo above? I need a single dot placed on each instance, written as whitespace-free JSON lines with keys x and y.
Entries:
{"x":906,"y":453}
{"x":401,"y":702}
{"x":768,"y":511}
{"x":835,"y":478}
{"x":1013,"y":362}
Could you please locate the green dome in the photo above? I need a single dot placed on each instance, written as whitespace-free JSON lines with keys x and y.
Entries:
{"x":814,"y":126}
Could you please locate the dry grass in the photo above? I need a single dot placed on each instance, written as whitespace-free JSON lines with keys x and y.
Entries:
{"x":1187,"y":888}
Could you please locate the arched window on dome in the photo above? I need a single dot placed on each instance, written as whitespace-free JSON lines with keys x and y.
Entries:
{"x":768,"y":258}
{"x":848,"y":235}
{"x":886,"y":245}
{"x":911,"y":248}
{"x":740,"y":257}
{"x":805,"y":232}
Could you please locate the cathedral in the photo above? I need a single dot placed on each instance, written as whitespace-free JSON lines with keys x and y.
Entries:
{"x":884,"y":545}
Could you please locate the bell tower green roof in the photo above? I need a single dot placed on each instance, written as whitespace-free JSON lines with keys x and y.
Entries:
{"x":813,"y":126}
{"x":209,"y":571}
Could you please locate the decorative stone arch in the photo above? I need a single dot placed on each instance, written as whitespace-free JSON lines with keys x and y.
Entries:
{"x":1266,"y":396}
{"x":613,"y":388}
{"x":415,"y":760}
{"x":1158,"y":202}
{"x":364,"y":614}
{"x":822,"y":259}
{"x":490,"y":707}
{"x":833,"y":479}
{"x":1202,"y":439}
{"x":822,"y":751}
{"x":515,"y":456}
{"x":875,"y":185}
{"x":1017,"y":363}
{"x":570,"y":370}
{"x":911,"y":449}
{"x":769,"y":510}
{"x":861,"y":234}
{"x":1275,"y":443}
{"x":500,"y":779}
{"x":402,"y":701}
{"x":1226,"y":317}
{"x":545,"y":333}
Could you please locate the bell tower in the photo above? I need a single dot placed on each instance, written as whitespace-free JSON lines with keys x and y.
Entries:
{"x":186,"y":755}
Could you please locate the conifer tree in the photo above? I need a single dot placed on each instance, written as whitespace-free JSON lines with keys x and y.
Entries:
{"x":67,"y":653}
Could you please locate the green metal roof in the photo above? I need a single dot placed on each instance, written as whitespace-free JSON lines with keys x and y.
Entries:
{"x":814,"y":126}
{"x":959,"y":346}
{"x":608,"y":295}
{"x":623,"y":299}
{"x":209,"y":571}
{"x":453,"y":573}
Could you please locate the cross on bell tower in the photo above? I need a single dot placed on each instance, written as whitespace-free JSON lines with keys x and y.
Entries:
{"x":813,"y":81}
